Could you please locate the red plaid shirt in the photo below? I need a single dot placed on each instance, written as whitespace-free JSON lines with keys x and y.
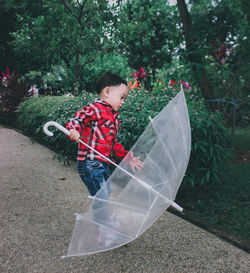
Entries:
{"x":98,"y":126}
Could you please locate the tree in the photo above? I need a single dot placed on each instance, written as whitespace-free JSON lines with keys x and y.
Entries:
{"x":72,"y":32}
{"x":193,"y":55}
{"x":8,"y":20}
{"x":146,"y":33}
{"x":6,"y":56}
{"x":223,"y":33}
{"x":216,"y":35}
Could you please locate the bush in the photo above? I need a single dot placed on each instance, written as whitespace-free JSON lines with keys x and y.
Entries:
{"x":211,"y":145}
{"x":35,"y":112}
{"x":210,"y":141}
{"x":13,"y":90}
{"x":210,"y":151}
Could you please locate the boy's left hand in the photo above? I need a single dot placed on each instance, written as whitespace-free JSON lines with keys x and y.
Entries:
{"x":135,"y":163}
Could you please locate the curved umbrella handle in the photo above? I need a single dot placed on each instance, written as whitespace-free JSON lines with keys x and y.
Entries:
{"x":57,"y":125}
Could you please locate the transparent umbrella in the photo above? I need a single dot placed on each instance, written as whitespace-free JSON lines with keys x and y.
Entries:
{"x":129,"y":203}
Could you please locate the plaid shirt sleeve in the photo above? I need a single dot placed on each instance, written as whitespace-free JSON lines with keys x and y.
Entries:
{"x":81,"y":118}
{"x":119,"y":150}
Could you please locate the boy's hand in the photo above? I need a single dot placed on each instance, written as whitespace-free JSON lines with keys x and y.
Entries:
{"x":74,"y":135}
{"x":135,"y":163}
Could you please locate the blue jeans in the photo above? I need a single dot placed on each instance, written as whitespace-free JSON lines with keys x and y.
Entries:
{"x":94,"y":174}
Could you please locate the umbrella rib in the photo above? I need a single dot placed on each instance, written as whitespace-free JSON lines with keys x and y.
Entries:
{"x":103,"y":226}
{"x":159,"y":170}
{"x":146,"y":216}
{"x":167,"y":151}
{"x":114,"y":203}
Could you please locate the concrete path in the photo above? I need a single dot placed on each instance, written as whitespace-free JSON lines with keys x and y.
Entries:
{"x":38,"y":199}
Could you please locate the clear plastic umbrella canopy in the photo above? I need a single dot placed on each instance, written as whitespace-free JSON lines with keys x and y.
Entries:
{"x":129,"y":203}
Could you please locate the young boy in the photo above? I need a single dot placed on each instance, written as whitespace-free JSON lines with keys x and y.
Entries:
{"x":97,"y":125}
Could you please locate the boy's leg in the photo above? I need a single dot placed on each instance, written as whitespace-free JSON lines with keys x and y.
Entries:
{"x":94,"y":175}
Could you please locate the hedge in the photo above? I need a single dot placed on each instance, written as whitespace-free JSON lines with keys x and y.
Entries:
{"x":210,"y":150}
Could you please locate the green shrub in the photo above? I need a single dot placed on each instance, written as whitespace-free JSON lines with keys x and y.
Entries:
{"x":210,"y":141}
{"x":35,"y":112}
{"x":211,"y":145}
{"x":210,"y":151}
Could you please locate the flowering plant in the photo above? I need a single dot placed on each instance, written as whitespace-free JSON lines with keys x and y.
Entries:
{"x":173,"y":84}
{"x":13,"y":90}
{"x":140,"y":75}
{"x":185,"y":84}
{"x":8,"y":77}
{"x":221,"y":52}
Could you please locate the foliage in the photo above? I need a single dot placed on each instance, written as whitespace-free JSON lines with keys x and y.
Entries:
{"x":146,"y":34}
{"x":6,"y":56}
{"x":210,"y":140}
{"x":30,"y":7}
{"x":210,"y":144}
{"x":109,"y":61}
{"x":76,"y":35}
{"x":61,"y":78}
{"x":8,"y":21}
{"x":226,"y":202}
{"x":222,"y":28}
{"x":13,"y":90}
{"x":70,"y":33}
{"x":35,"y":112}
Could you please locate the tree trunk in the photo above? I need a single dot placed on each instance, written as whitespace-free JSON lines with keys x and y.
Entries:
{"x":77,"y":74}
{"x":192,"y":54}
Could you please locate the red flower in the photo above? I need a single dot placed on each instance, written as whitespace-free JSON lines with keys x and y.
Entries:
{"x":171,"y":83}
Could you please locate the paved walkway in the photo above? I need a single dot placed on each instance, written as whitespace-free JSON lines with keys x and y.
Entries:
{"x":39,"y":197}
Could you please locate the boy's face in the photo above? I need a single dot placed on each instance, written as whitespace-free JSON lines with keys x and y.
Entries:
{"x":116,"y":95}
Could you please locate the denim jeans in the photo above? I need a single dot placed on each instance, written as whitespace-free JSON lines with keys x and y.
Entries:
{"x":94,"y":174}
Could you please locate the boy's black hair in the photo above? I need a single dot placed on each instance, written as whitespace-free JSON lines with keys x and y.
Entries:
{"x":109,"y":79}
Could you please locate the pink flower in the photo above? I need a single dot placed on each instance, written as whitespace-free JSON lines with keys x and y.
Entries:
{"x":141,"y":74}
{"x":185,"y":84}
{"x":221,"y":52}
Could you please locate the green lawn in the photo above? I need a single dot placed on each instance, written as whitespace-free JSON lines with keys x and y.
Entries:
{"x":227,"y":203}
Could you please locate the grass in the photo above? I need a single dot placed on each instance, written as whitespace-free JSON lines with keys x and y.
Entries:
{"x":227,"y":203}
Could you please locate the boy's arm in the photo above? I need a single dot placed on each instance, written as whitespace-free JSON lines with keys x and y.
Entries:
{"x":75,"y":124}
{"x":119,"y":150}
{"x":133,"y":161}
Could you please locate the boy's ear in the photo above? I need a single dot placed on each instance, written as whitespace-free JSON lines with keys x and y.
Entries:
{"x":106,"y":92}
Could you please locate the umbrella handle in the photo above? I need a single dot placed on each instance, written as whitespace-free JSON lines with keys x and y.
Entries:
{"x":57,"y":125}
{"x":65,"y":131}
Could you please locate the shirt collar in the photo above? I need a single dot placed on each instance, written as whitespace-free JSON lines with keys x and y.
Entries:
{"x":102,"y":102}
{"x":106,"y":104}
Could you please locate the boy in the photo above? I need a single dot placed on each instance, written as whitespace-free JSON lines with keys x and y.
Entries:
{"x":97,"y":125}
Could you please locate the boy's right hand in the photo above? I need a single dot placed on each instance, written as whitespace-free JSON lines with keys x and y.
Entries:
{"x":74,"y":135}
